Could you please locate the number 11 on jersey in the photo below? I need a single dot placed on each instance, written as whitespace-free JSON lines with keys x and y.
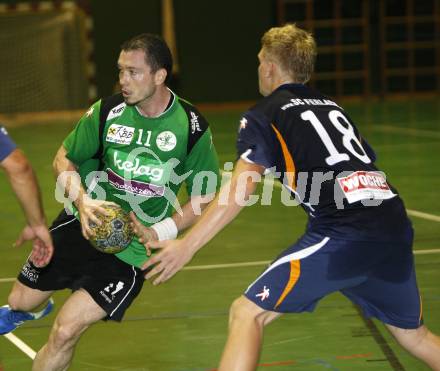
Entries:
{"x":147,"y":142}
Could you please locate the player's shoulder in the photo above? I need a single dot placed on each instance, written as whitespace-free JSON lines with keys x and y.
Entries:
{"x":7,"y":145}
{"x":190,"y":109}
{"x":111,"y":107}
{"x":197,"y":123}
{"x":3,"y":132}
{"x":268,"y":105}
{"x":272,"y":104}
{"x":112,"y":100}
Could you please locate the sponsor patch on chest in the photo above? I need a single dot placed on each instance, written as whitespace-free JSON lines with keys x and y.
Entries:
{"x":120,"y":134}
{"x":365,"y":185}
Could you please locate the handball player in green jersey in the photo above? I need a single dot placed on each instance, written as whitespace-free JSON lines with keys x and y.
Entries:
{"x":134,"y":149}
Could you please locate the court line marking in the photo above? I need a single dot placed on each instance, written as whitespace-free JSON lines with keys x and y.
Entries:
{"x":381,"y":341}
{"x":31,"y":353}
{"x":421,"y":215}
{"x":20,"y":344}
{"x":414,"y":213}
{"x":422,"y":133}
{"x":242,"y":264}
{"x":427,"y":252}
{"x":384,"y":128}
{"x":266,"y":262}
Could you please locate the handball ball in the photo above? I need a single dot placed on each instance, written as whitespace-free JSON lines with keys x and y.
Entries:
{"x":115,"y":232}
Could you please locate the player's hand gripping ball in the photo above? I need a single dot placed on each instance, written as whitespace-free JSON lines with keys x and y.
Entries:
{"x":115,"y":232}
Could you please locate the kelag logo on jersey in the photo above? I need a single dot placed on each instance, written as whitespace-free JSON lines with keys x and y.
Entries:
{"x":135,"y":187}
{"x":120,"y":134}
{"x":138,"y":174}
{"x":155,"y":173}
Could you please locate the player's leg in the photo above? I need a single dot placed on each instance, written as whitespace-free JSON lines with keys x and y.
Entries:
{"x":390,"y":294}
{"x":293,"y":283}
{"x":78,"y":313}
{"x":24,"y":298}
{"x":420,"y":342}
{"x":109,"y":289}
{"x":246,"y":325}
{"x":23,"y":302}
{"x":35,"y":285}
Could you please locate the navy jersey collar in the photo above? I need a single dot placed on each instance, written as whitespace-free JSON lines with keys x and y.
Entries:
{"x":294,"y":86}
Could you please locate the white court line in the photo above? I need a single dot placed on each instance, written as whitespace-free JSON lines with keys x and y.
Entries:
{"x":427,"y":252}
{"x":31,"y":353}
{"x":384,"y":128}
{"x":244,"y":264}
{"x":407,"y":131}
{"x":230,"y":265}
{"x":266,"y":262}
{"x":21,"y":345}
{"x":419,"y":214}
{"x":414,"y":213}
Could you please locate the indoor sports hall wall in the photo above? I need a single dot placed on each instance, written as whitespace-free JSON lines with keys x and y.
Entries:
{"x":367,"y":48}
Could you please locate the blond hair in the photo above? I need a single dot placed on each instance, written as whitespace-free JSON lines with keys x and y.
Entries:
{"x":293,"y":48}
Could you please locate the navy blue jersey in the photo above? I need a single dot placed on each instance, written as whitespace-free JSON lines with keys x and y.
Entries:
{"x":6,"y":144}
{"x":324,"y":162}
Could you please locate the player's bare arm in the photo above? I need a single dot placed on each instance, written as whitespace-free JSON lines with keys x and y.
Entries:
{"x":24,"y":184}
{"x":87,"y":207}
{"x":174,"y":254}
{"x":188,"y":216}
{"x":190,"y":213}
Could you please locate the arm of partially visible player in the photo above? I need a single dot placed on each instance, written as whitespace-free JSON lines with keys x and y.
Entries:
{"x":179,"y":221}
{"x":174,"y":254}
{"x":201,"y":169}
{"x":190,"y":213}
{"x":24,"y":184}
{"x":70,"y":182}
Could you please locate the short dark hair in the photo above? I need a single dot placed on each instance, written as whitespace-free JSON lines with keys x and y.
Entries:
{"x":157,"y":53}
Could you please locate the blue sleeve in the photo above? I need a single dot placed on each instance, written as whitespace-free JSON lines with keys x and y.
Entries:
{"x":6,"y":144}
{"x":255,"y":141}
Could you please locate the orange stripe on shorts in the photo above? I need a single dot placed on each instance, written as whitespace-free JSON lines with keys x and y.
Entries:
{"x":295,"y":271}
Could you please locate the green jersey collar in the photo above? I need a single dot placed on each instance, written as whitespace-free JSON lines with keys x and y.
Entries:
{"x":170,"y":107}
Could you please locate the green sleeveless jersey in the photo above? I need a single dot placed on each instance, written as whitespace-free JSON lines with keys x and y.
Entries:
{"x":140,"y":162}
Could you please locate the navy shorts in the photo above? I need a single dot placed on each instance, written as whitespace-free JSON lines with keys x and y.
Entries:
{"x":76,"y":264}
{"x":377,"y":276}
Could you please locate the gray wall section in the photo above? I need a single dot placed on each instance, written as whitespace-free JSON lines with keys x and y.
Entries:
{"x":115,"y":22}
{"x":217,"y":43}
